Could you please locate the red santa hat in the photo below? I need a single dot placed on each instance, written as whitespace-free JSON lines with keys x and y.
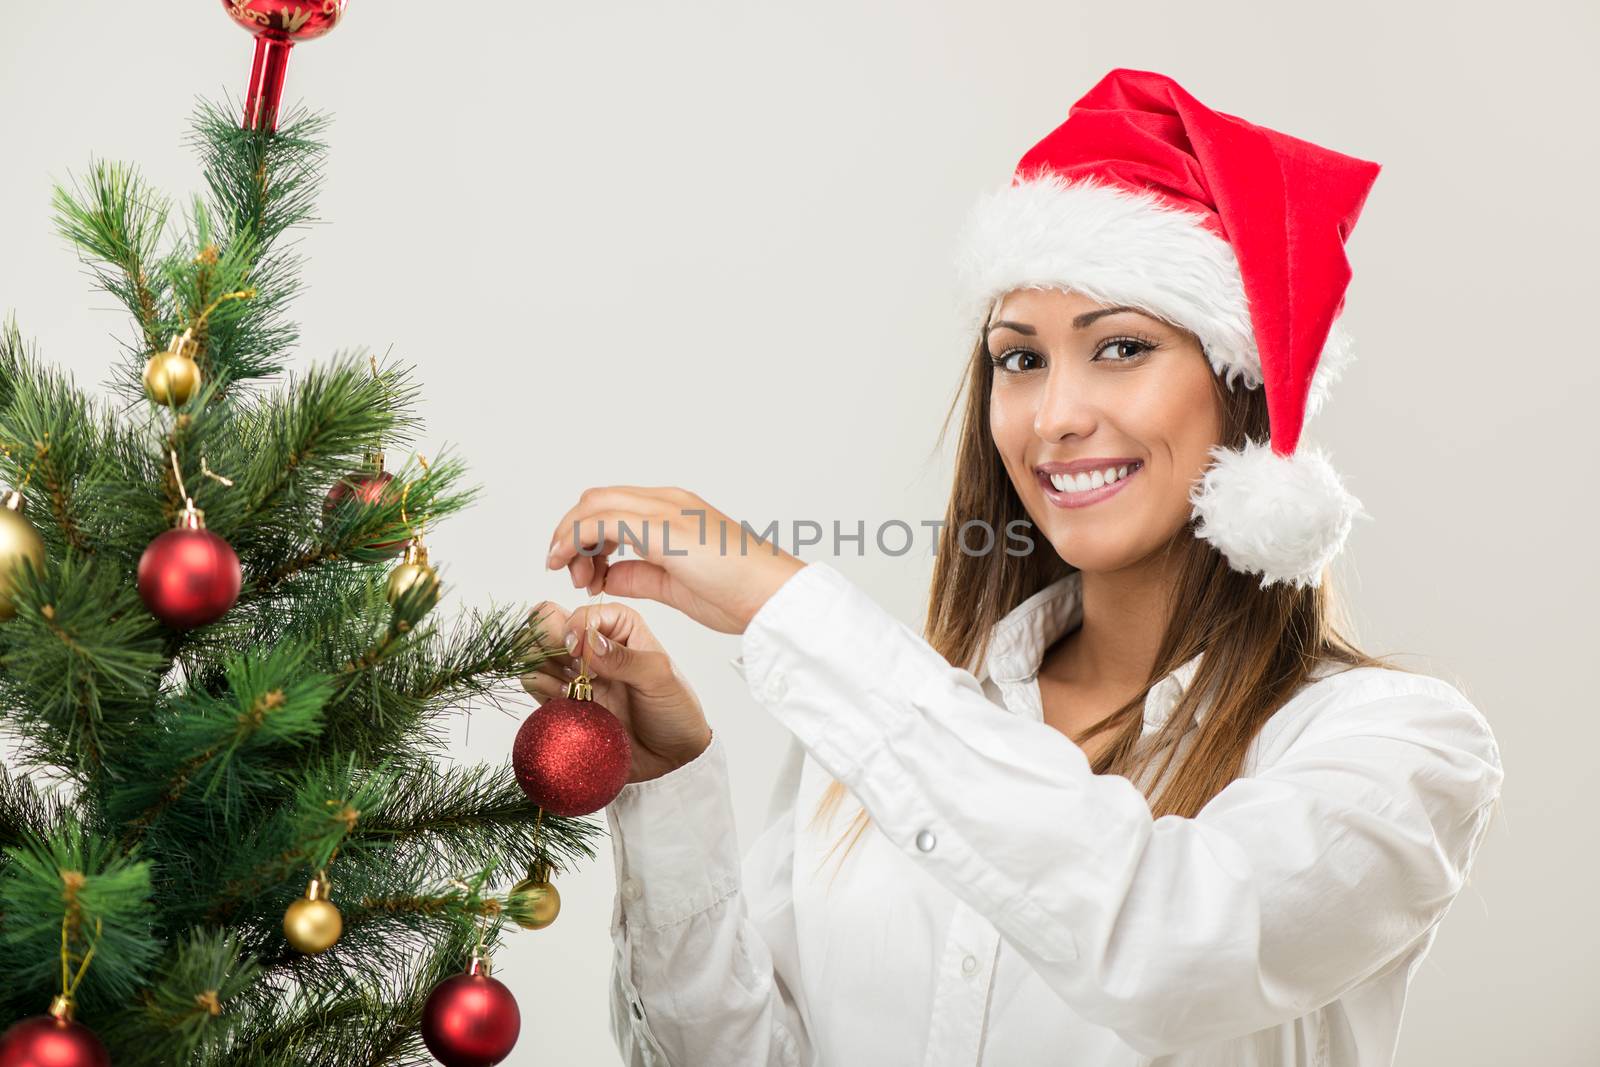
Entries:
{"x":1144,"y":196}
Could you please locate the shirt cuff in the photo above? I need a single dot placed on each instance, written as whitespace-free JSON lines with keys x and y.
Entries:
{"x":674,"y":841}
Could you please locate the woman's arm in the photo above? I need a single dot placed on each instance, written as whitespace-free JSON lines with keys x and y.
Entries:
{"x":702,"y":940}
{"x":1288,"y":888}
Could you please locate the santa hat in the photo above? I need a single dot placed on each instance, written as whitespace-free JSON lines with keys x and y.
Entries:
{"x":1144,"y":196}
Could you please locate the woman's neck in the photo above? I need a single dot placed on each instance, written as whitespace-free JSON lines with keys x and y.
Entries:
{"x":1114,"y":648}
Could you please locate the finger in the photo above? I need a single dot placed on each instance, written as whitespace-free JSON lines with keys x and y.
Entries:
{"x":547,"y":621}
{"x":542,"y":686}
{"x":620,"y":623}
{"x":605,"y":498}
{"x":638,"y":661}
{"x":555,"y":673}
{"x":600,"y":534}
{"x":547,"y":624}
{"x":652,"y":509}
{"x":638,"y":579}
{"x":601,"y":566}
{"x":640,"y":500}
{"x":595,"y":530}
{"x":558,"y":663}
{"x":669,"y":493}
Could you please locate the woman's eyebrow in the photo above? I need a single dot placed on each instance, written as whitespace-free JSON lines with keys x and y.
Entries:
{"x":1090,"y":316}
{"x":1079,"y":323}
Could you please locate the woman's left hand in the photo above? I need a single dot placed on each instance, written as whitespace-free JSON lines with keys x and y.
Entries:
{"x":692,"y":556}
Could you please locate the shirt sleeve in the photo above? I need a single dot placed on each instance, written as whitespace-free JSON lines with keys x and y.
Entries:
{"x":702,"y":940}
{"x":1289,"y":888}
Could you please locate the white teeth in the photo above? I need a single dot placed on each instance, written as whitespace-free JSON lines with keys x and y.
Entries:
{"x":1067,"y":483}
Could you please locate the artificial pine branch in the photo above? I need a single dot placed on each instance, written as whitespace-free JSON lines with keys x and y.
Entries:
{"x":117,"y":222}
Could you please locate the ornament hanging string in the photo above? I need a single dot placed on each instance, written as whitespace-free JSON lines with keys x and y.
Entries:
{"x":209,"y":473}
{"x":405,"y":493}
{"x":70,"y":983}
{"x":184,"y":341}
{"x":242,"y":294}
{"x":188,"y":501}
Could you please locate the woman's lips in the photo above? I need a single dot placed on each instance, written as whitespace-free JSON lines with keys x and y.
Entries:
{"x":1088,"y":496}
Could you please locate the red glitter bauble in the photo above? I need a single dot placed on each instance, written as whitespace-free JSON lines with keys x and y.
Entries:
{"x":367,"y":487}
{"x":45,"y":1041}
{"x":189,"y":577}
{"x":572,"y":757}
{"x":470,"y":1020}
{"x":277,"y":24}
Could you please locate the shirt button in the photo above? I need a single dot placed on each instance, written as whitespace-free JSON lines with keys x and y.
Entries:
{"x":630,"y":888}
{"x":777,"y":687}
{"x":925,"y":840}
{"x":969,"y":965}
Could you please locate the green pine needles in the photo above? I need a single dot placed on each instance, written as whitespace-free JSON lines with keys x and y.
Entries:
{"x":184,"y":786}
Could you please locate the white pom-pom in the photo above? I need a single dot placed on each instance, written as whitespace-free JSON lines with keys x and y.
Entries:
{"x":1282,"y":517}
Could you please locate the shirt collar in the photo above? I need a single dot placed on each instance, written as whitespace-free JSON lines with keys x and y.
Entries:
{"x":1017,"y":644}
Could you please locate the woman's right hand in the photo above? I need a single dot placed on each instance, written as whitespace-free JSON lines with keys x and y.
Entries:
{"x":632,"y":676}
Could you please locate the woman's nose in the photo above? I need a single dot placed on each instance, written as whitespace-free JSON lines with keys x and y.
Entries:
{"x":1064,"y":409}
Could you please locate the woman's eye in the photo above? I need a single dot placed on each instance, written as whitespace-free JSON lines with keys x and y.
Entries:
{"x":1003,"y":361}
{"x":1121,"y":345}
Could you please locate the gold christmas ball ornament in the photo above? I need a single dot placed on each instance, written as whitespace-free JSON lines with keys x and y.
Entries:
{"x":312,"y":924}
{"x":18,"y":541}
{"x":172,"y":377}
{"x":533,"y":903}
{"x":412,"y":572}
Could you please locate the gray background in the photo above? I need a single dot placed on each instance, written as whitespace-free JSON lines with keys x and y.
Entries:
{"x":708,"y":245}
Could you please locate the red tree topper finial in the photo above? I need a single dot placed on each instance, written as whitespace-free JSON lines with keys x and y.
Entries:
{"x":277,"y":25}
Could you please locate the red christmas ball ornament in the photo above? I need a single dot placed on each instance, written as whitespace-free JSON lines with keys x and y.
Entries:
{"x":471,"y":1020}
{"x":53,"y":1040}
{"x":189,"y":576}
{"x":277,"y":25}
{"x":572,"y":756}
{"x":369,"y":487}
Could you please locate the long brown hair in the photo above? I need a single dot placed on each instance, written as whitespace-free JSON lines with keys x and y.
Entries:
{"x":1257,"y":646}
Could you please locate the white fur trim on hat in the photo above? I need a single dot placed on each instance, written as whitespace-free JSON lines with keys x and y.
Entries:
{"x":1117,"y":246}
{"x":1284,"y":518}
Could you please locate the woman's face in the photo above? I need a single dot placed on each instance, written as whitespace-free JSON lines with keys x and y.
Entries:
{"x":1081,"y":387}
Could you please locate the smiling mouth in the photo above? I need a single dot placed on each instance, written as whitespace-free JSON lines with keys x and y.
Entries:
{"x":1081,"y":490}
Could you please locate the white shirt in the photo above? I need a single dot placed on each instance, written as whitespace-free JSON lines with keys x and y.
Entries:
{"x":1008,"y":906}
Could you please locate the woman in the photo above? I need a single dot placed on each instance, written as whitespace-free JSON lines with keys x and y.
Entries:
{"x":1131,"y":798}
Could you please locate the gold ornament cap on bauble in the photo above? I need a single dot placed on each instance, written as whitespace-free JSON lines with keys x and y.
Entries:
{"x":18,"y":541}
{"x":313,"y":924}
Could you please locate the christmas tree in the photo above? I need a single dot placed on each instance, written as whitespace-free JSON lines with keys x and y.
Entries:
{"x":221,"y":657}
